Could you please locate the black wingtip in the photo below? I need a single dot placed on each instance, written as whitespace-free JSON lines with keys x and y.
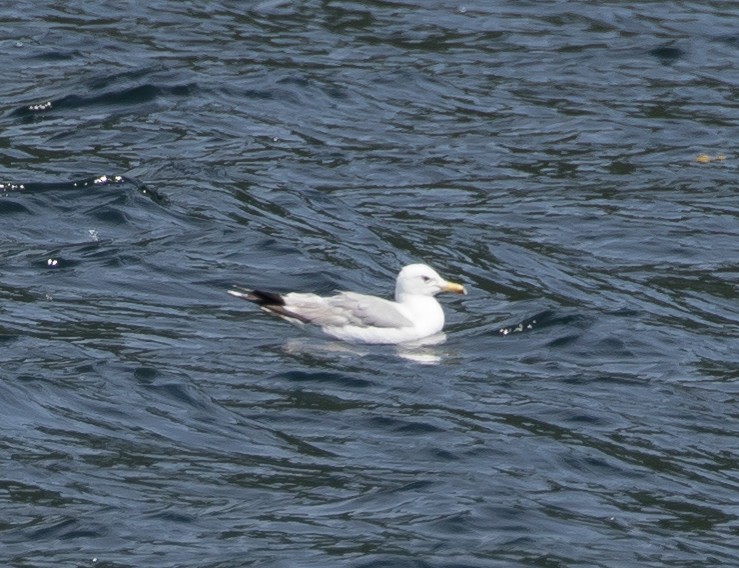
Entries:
{"x":264,"y":298}
{"x":259,"y":297}
{"x":270,"y":302}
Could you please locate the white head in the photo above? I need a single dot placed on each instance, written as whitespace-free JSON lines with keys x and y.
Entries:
{"x":422,"y":280}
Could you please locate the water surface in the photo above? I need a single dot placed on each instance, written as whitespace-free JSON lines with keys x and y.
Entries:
{"x":583,"y":410}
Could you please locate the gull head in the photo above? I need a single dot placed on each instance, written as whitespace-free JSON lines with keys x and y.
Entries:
{"x":422,"y":280}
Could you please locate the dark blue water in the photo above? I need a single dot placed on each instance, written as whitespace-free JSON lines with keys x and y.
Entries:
{"x":583,"y":410}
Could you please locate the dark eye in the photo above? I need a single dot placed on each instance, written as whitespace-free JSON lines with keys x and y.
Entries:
{"x":425,"y":278}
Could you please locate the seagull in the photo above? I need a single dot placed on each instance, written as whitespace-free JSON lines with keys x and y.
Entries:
{"x":361,"y":318}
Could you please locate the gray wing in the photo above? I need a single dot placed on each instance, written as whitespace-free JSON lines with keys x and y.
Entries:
{"x":347,"y":309}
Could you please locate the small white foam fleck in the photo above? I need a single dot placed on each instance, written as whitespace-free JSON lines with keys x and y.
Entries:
{"x":40,"y":106}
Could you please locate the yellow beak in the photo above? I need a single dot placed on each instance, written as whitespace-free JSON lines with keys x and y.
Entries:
{"x":454,"y":288}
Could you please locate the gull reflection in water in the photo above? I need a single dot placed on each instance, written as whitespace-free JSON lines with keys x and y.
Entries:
{"x":422,"y":351}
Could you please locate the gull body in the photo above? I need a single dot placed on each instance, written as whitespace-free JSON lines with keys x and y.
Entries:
{"x":361,"y":318}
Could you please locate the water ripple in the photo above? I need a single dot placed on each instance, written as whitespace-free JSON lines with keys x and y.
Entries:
{"x":581,"y":410}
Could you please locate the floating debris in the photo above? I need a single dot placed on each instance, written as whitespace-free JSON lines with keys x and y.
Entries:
{"x":705,"y":158}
